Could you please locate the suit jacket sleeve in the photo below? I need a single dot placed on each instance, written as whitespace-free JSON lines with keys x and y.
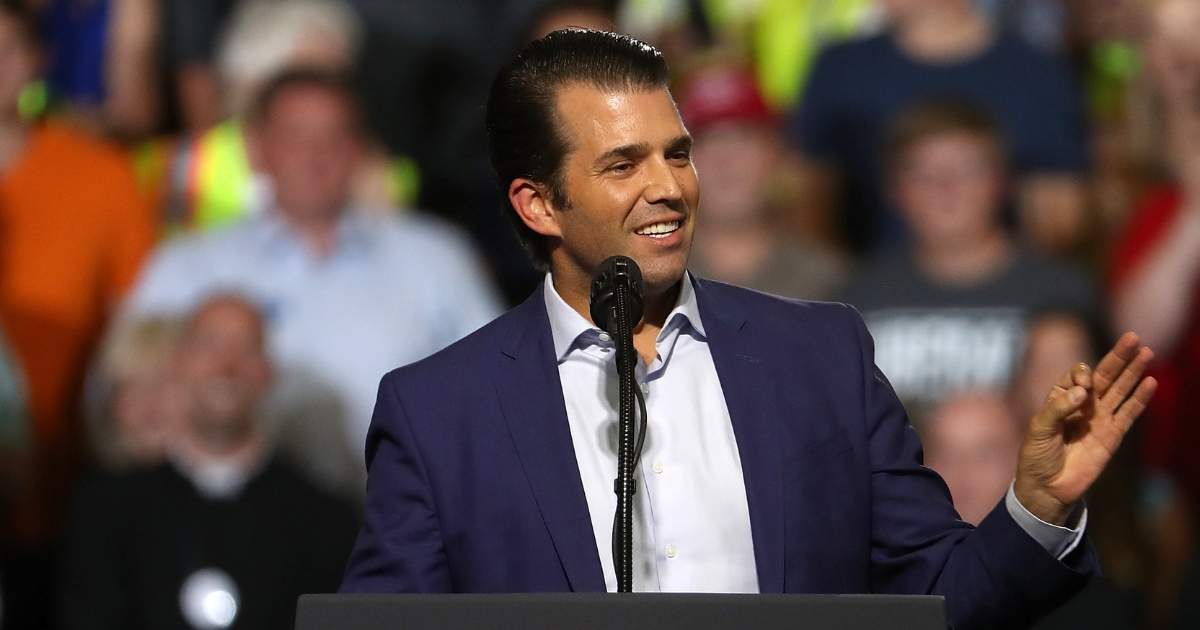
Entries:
{"x":995,"y":576}
{"x":399,"y":549}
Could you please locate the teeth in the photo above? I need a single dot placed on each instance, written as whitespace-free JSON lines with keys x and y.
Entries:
{"x":659,"y":230}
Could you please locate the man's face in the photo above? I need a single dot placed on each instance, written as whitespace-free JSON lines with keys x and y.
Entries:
{"x":224,"y":367}
{"x":631,"y":185}
{"x":737,"y":158}
{"x":309,"y":146}
{"x":973,"y":442}
{"x":949,"y":188}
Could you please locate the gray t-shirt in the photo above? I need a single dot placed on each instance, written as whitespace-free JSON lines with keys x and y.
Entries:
{"x":932,"y":340}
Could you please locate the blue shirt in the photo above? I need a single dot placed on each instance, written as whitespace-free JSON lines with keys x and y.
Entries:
{"x":856,"y":89}
{"x":77,"y":34}
{"x":391,"y":292}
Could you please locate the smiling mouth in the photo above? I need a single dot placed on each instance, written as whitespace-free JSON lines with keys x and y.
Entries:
{"x":659,"y":230}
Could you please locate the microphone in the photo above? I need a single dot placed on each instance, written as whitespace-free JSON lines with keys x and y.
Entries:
{"x":614,"y":272}
{"x":616,"y":307}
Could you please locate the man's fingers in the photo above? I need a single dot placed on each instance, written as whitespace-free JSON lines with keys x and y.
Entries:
{"x":1129,"y":378}
{"x":1081,"y":375}
{"x":1061,"y":404}
{"x":1078,"y":372}
{"x":1135,"y":404}
{"x":1113,"y":363}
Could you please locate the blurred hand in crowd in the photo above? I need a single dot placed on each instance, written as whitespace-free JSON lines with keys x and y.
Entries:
{"x":1156,"y":298}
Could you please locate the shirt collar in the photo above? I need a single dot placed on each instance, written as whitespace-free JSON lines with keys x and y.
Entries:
{"x":353,"y":231}
{"x":568,"y":327}
{"x":217,"y":478}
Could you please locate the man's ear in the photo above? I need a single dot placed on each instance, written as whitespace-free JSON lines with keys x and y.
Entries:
{"x":533,"y":206}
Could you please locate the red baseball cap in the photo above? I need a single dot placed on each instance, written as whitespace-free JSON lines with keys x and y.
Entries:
{"x":720,"y":93}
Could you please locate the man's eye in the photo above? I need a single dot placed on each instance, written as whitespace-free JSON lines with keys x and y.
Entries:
{"x":681,"y":156}
{"x":620,"y":167}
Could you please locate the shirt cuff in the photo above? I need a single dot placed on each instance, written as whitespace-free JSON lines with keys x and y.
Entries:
{"x":1059,"y":541}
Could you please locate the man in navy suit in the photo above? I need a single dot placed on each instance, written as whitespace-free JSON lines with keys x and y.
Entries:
{"x":778,"y":459}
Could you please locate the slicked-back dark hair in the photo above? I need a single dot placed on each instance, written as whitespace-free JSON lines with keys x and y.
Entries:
{"x":525,"y":136}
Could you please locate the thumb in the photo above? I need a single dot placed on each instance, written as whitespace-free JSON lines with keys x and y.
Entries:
{"x":1058,"y":407}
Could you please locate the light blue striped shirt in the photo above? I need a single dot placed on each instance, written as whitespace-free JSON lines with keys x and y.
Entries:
{"x":393,"y":290}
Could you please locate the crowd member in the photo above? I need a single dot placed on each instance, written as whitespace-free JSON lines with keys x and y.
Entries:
{"x":75,"y":232}
{"x":1044,"y":24}
{"x":737,"y":150}
{"x":424,"y":71}
{"x":972,"y":441}
{"x":346,"y":296}
{"x":191,"y":32}
{"x":942,"y":48}
{"x":146,"y":547}
{"x":101,"y":64}
{"x":534,"y":19}
{"x":209,"y":180}
{"x":14,"y":433}
{"x":782,"y":37}
{"x":139,"y":404}
{"x":1155,"y":267}
{"x":1153,"y":283}
{"x":954,"y":309}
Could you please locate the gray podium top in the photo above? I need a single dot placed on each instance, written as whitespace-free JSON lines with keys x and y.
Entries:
{"x":638,"y":611}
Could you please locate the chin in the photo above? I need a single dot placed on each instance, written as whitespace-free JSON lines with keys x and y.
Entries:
{"x":656,"y":279}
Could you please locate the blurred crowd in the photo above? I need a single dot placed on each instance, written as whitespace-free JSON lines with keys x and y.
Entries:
{"x":222,"y":221}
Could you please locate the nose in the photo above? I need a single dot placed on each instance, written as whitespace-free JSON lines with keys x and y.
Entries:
{"x":662,"y":183}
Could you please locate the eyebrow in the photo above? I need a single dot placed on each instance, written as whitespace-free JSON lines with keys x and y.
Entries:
{"x":680,"y":143}
{"x":629,"y":151}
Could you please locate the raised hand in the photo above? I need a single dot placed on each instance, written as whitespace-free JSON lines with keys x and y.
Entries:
{"x":1080,"y":426}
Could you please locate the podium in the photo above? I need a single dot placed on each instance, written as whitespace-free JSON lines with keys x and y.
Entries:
{"x":636,"y":611}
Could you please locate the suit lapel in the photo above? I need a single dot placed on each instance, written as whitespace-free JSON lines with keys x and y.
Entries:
{"x":754,"y":412}
{"x":531,"y":397}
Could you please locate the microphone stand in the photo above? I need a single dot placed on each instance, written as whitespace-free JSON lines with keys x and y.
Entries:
{"x":616,"y":306}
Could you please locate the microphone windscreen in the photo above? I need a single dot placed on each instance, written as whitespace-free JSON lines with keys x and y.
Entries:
{"x":614,"y":272}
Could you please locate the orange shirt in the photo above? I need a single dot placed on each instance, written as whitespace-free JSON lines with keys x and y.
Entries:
{"x":73,"y":232}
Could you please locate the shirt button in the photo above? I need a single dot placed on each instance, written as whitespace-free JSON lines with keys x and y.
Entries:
{"x":670,"y":551}
{"x":646,"y":388}
{"x":605,"y":337}
{"x":657,"y":467}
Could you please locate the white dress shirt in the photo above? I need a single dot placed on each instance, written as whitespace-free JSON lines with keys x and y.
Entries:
{"x":691,"y":520}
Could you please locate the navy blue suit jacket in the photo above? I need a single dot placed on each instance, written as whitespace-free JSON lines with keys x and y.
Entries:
{"x":474,"y":487}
